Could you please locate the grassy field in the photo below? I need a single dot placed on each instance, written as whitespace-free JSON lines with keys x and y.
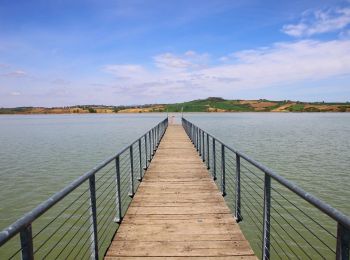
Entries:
{"x":212,"y":104}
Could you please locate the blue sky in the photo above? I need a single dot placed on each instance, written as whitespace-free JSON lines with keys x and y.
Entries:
{"x":59,"y":53}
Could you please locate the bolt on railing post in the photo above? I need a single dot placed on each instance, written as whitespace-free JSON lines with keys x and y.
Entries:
{"x":26,"y":237}
{"x":93,"y":219}
{"x":214,"y":160}
{"x":208,"y":161}
{"x":266,"y":220}
{"x":223,"y":171}
{"x":343,"y":242}
{"x":140,"y":160}
{"x":238,"y":215}
{"x":131,"y":154}
{"x":118,"y":218}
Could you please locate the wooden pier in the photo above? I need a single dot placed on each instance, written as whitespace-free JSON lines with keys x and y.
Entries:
{"x":178,"y":212}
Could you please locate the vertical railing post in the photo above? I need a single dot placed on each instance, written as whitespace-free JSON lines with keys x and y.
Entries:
{"x":343,"y":242}
{"x":203,"y":147}
{"x":192,"y":133}
{"x":154,"y":141}
{"x":150,"y":146}
{"x":200,"y":142}
{"x":238,"y":215}
{"x":266,"y":220}
{"x":208,"y":161}
{"x":118,"y":218}
{"x":26,"y":237}
{"x":140,"y":160}
{"x":131,"y":154}
{"x":93,"y":219}
{"x":214,"y":160}
{"x":223,"y":171}
{"x":197,"y":139}
{"x":146,"y":151}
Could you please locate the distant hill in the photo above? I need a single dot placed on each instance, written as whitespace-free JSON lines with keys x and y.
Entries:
{"x":211,"y":104}
{"x":215,"y":104}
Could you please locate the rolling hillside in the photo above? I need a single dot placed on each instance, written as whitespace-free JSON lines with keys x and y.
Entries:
{"x":211,"y":104}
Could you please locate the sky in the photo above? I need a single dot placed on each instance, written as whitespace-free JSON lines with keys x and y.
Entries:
{"x":62,"y":53}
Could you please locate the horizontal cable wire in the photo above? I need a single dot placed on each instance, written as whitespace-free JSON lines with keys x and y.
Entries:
{"x":62,"y":224}
{"x":305,"y":214}
{"x":52,"y":248}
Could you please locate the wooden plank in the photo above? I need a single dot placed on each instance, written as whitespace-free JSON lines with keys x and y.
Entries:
{"x":181,"y":258}
{"x":178,"y":211}
{"x":179,"y":248}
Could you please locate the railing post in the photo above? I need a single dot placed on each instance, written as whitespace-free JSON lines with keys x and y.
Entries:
{"x":200,"y":142}
{"x":93,"y":218}
{"x":154,"y":140}
{"x":223,"y":171}
{"x":208,"y":161}
{"x":197,"y":139}
{"x":27,"y":243}
{"x":150,"y":146}
{"x":343,"y":242}
{"x":266,"y":221}
{"x":140,"y":160}
{"x":131,"y":154}
{"x":118,"y":218}
{"x":203,"y":147}
{"x":146,"y":151}
{"x":214,"y":160}
{"x":192,"y":133}
{"x":238,"y":215}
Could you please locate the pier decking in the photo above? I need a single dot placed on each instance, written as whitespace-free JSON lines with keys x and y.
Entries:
{"x":178,"y":212}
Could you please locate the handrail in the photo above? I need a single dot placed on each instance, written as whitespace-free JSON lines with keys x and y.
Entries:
{"x":197,"y":135}
{"x":150,"y":140}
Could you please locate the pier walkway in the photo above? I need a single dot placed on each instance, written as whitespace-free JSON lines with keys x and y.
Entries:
{"x":178,"y":211}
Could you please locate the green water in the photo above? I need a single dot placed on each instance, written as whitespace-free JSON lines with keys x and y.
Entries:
{"x":310,"y":149}
{"x":40,"y":154}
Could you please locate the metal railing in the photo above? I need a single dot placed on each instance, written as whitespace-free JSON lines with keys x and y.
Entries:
{"x":79,"y":221}
{"x":279,"y":219}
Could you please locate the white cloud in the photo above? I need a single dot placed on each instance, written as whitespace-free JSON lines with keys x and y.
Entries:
{"x":15,"y":93}
{"x":320,"y":21}
{"x":124,"y":70}
{"x":60,"y":81}
{"x":189,"y":60}
{"x":15,"y":74}
{"x":170,"y":61}
{"x":278,"y":64}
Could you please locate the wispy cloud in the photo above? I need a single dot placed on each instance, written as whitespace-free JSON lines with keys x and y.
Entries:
{"x":188,"y":60}
{"x":14,"y":93}
{"x":278,"y":64}
{"x":60,"y":81}
{"x":15,"y":74}
{"x":2,"y":65}
{"x":319,"y":21}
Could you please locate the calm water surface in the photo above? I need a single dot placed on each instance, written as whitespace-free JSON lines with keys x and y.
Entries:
{"x":311,"y":149}
{"x":40,"y":154}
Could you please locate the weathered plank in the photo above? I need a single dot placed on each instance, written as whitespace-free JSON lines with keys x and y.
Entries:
{"x":178,"y":212}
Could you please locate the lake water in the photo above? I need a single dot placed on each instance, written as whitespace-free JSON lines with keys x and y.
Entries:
{"x":40,"y":154}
